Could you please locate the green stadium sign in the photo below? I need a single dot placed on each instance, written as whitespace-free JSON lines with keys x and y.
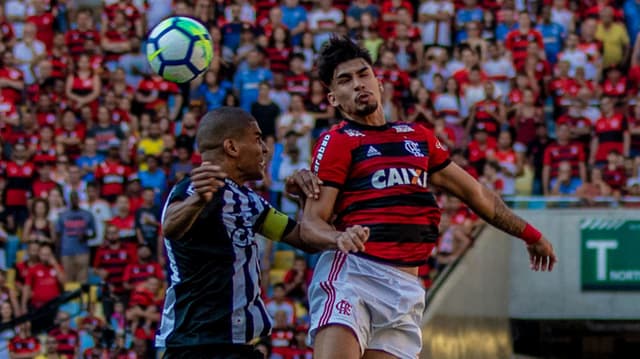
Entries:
{"x":610,"y":253}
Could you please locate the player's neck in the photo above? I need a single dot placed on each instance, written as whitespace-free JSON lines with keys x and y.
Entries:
{"x":374,"y":119}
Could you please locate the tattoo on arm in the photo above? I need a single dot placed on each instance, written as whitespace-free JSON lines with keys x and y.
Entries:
{"x":503,"y":217}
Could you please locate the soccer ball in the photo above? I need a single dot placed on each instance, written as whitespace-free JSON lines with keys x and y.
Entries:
{"x":179,"y":49}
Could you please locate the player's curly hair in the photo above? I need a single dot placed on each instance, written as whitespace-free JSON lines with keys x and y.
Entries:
{"x":336,"y":50}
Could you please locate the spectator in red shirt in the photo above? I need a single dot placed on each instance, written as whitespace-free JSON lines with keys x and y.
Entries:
{"x":614,"y":173}
{"x":43,"y":283}
{"x":297,"y":279}
{"x":30,"y":260}
{"x":19,"y":175}
{"x":145,"y":267}
{"x":518,"y":40}
{"x":43,"y":184}
{"x":143,"y":311}
{"x":111,"y":260}
{"x":24,"y":345}
{"x":66,"y":338}
{"x":563,"y":151}
{"x":112,"y":174}
{"x":83,"y":86}
{"x":124,"y":221}
{"x":611,"y":133}
{"x":77,"y":38}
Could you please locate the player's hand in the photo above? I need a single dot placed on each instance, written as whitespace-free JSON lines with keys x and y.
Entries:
{"x":352,"y":239}
{"x":541,"y":255}
{"x":206,"y":179}
{"x":303,"y":183}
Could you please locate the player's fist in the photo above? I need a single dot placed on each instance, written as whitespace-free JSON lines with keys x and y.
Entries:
{"x":206,"y":180}
{"x":352,"y":239}
{"x":541,"y":255}
{"x":303,"y":183}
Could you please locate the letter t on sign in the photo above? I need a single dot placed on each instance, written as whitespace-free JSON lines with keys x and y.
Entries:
{"x":601,"y":247}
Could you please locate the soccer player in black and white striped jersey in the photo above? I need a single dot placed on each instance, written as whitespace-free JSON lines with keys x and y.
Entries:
{"x":213,"y":306}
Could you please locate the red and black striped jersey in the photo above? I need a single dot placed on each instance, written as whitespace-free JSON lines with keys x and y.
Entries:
{"x":298,"y":83}
{"x":556,"y":153}
{"x":114,"y":261}
{"x":517,"y":43}
{"x":76,"y":40}
{"x":610,"y":133}
{"x":278,"y":59}
{"x":28,"y":345}
{"x":137,"y":273}
{"x":484,"y":120}
{"x":382,"y":174}
{"x":67,"y":342}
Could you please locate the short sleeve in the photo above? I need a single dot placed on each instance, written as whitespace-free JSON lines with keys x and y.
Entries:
{"x":438,"y":153}
{"x":331,"y":159}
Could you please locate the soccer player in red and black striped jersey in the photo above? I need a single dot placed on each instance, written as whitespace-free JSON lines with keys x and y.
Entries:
{"x":378,"y":175}
{"x":563,"y":150}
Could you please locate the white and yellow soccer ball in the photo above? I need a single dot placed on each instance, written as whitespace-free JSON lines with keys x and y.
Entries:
{"x":179,"y":49}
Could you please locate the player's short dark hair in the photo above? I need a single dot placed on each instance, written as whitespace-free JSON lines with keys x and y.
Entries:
{"x":220,"y":124}
{"x":337,"y":50}
{"x":278,"y":285}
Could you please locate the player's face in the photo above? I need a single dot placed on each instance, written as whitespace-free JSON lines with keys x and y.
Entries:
{"x":253,"y":153}
{"x":355,"y":90}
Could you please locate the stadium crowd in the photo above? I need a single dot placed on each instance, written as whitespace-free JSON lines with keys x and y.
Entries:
{"x":531,"y":97}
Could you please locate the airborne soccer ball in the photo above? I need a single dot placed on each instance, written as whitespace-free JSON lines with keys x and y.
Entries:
{"x":179,"y":49}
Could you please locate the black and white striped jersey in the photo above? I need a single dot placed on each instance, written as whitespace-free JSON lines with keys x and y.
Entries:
{"x":214,"y":291}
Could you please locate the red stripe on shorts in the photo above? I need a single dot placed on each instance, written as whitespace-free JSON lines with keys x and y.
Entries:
{"x":336,"y":266}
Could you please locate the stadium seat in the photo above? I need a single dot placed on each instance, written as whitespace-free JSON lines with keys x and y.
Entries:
{"x":283,"y":260}
{"x":11,"y":278}
{"x":20,"y":255}
{"x":71,"y":286}
{"x":277,"y":276}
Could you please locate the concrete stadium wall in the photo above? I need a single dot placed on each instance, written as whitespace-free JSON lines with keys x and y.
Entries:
{"x":469,"y":315}
{"x":557,"y":295}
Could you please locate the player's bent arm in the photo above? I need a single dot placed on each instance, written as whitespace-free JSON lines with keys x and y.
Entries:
{"x":277,"y":226}
{"x":483,"y":201}
{"x":315,"y":228}
{"x":180,"y":216}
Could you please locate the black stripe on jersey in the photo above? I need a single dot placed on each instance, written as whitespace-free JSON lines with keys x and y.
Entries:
{"x":391,"y":149}
{"x":610,"y":136}
{"x":420,"y":199}
{"x":264,"y":315}
{"x":390,"y":261}
{"x":403,"y":233}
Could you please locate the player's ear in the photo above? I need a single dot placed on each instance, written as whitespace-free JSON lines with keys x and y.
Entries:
{"x":230,"y":147}
{"x":380,"y":86}
{"x":332,"y":99}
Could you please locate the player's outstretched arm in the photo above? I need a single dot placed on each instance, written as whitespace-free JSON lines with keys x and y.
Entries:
{"x":316,"y":230}
{"x":490,"y":207}
{"x":180,"y":215}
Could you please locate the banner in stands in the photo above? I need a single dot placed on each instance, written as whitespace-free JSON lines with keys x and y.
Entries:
{"x":609,"y":253}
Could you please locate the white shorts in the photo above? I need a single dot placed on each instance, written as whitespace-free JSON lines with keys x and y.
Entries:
{"x":381,"y":304}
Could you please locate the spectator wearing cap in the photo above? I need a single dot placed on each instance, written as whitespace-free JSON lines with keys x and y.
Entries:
{"x":74,"y":228}
{"x":247,"y":81}
{"x":614,"y":37}
{"x":112,"y":173}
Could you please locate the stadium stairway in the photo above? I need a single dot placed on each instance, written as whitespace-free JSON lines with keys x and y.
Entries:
{"x":467,"y":314}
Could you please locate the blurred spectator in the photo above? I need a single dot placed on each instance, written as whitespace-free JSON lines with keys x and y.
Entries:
{"x":266,"y":113}
{"x":8,"y":294}
{"x":112,"y":173}
{"x":143,"y":312}
{"x":492,"y":177}
{"x":6,"y":316}
{"x":614,"y":173}
{"x":614,"y":37}
{"x":101,"y":212}
{"x":280,"y":303}
{"x":24,"y":345}
{"x":564,"y":184}
{"x":50,"y":349}
{"x":83,"y":86}
{"x":43,"y":283}
{"x":595,"y":187}
{"x":75,"y":183}
{"x":152,"y":143}
{"x":111,"y":260}
{"x":563,"y":151}
{"x":144,"y":267}
{"x":553,"y":34}
{"x":297,"y":280}
{"x":323,"y":20}
{"x":294,"y":17}
{"x":610,"y":133}
{"x":183,"y":164}
{"x":38,"y":227}
{"x":147,"y":221}
{"x":299,"y":121}
{"x":247,"y":81}
{"x":30,"y":259}
{"x":124,"y":220}
{"x":90,"y":159}
{"x":66,"y":338}
{"x":19,"y":175}
{"x":74,"y":228}
{"x":435,"y":17}
{"x":535,"y":156}
{"x":29,"y":52}
{"x":153,"y":178}
{"x":212,"y":90}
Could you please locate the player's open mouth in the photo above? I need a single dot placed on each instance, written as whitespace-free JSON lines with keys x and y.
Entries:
{"x":363,"y":97}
